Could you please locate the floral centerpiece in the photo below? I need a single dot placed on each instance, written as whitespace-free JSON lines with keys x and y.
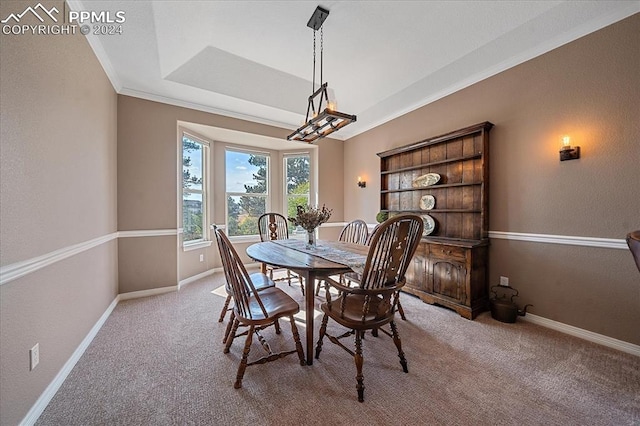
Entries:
{"x":309,"y":218}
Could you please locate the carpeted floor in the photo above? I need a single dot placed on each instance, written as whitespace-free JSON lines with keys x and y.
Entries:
{"x":159,"y":361}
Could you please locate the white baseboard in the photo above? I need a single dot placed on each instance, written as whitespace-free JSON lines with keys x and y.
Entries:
{"x":48,"y":394}
{"x":198,"y":276}
{"x":145,"y":293}
{"x":610,"y":342}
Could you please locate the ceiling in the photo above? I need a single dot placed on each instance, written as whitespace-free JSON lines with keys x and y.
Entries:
{"x":253,"y":59}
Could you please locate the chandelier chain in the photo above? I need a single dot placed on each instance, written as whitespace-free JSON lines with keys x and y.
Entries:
{"x":313,"y":83}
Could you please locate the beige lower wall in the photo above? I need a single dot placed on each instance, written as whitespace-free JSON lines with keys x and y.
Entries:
{"x":146,"y":263}
{"x":55,"y":307}
{"x":589,"y":89}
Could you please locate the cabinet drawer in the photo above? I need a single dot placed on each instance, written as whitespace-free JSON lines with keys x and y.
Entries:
{"x":444,"y":251}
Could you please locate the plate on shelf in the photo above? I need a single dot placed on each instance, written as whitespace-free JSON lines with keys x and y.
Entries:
{"x":427,"y":202}
{"x":426,"y":180}
{"x":429,"y":225}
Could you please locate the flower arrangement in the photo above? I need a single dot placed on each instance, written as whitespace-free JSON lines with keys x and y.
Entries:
{"x":309,"y":217}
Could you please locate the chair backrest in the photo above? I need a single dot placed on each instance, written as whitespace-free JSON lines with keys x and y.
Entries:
{"x":391,"y":248}
{"x":238,"y":282}
{"x":355,"y":232}
{"x":370,"y":236}
{"x":633,"y":241}
{"x":273,"y":226}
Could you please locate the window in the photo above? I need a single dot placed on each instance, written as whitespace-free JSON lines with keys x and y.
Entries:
{"x":194,"y":189}
{"x":247,"y":190}
{"x":297,"y":181}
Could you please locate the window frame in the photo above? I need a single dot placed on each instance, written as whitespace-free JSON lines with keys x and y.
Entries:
{"x":205,"y":240}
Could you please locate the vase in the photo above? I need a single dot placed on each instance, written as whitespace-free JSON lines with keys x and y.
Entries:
{"x":311,"y":239}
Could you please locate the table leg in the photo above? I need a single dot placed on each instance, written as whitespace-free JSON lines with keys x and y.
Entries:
{"x":309,"y":298}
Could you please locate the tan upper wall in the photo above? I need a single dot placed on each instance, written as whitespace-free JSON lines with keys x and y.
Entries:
{"x":589,"y":89}
{"x":147,"y":161}
{"x":58,"y":153}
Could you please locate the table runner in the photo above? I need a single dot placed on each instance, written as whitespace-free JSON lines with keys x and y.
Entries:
{"x":326,"y":251}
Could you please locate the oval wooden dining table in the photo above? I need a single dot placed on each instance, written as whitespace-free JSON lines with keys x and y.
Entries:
{"x":309,"y":267}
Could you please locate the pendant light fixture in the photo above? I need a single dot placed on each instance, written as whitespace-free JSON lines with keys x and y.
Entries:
{"x":322,"y":119}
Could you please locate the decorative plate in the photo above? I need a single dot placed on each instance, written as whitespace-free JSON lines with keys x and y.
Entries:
{"x":429,"y":225}
{"x":426,"y":180}
{"x":427,"y":202}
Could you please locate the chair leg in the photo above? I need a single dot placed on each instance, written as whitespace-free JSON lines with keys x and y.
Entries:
{"x":359,"y":359}
{"x":401,"y":310}
{"x":227,"y":332}
{"x":296,"y":338}
{"x":396,"y":340}
{"x":225,"y":308}
{"x":301,"y":284}
{"x":231,"y":335}
{"x":289,"y":277}
{"x":276,"y":324}
{"x":245,"y":357}
{"x":323,"y":331}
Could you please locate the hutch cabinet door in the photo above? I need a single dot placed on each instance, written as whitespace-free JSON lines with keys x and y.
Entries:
{"x":448,"y":279}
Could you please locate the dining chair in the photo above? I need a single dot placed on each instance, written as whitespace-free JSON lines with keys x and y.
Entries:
{"x":353,"y":277}
{"x":274,"y":226}
{"x":633,"y":241}
{"x":255,"y":310}
{"x":372,"y":303}
{"x":260,"y":282}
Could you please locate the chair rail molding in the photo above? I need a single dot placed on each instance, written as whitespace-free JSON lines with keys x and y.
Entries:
{"x":611,"y":243}
{"x":16,"y":270}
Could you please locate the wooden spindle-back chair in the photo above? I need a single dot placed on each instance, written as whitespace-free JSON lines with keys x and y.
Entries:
{"x":274,"y":226}
{"x":255,"y":310}
{"x":371,"y":304}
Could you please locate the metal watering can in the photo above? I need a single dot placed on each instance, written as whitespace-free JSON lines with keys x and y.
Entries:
{"x":503,"y":309}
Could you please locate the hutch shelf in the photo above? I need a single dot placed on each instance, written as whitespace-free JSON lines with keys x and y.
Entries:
{"x":450,"y":264}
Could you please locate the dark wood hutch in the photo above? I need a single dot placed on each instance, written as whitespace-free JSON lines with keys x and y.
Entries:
{"x":450,"y":264}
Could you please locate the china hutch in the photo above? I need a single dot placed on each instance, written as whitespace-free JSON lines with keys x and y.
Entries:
{"x":445,"y":180}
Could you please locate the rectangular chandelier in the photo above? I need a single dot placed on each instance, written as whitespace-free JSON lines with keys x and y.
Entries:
{"x":320,"y":122}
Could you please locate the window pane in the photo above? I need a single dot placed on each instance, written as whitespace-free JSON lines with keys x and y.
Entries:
{"x":297,"y":174}
{"x":246,"y":172}
{"x":191,"y":164}
{"x":243,"y":213}
{"x":192,"y":220}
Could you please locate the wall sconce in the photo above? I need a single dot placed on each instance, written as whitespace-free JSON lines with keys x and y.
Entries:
{"x":361,"y":183}
{"x":569,"y":152}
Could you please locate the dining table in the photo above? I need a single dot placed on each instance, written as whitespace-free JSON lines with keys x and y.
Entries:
{"x":324,"y":259}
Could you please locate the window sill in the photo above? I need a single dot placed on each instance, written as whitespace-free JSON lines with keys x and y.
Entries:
{"x":196,"y":246}
{"x":245,"y":239}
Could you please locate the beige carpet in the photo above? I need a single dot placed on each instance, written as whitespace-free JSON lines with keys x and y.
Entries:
{"x":159,"y":361}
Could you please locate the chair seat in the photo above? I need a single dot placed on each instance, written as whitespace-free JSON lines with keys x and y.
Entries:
{"x":261,"y":281}
{"x":351,"y":316}
{"x":276,"y":302}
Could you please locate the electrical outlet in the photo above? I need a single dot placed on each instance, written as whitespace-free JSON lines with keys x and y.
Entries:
{"x":504,"y":281}
{"x":34,"y":356}
{"x":202,"y":258}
